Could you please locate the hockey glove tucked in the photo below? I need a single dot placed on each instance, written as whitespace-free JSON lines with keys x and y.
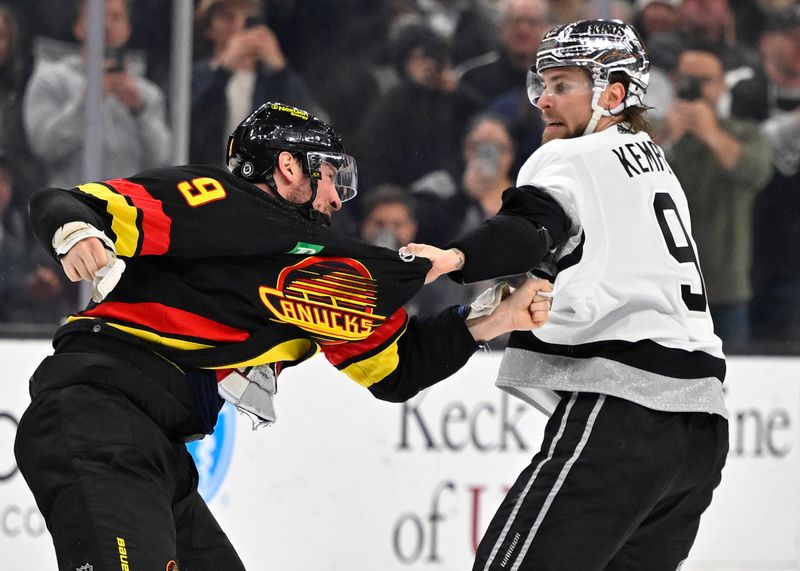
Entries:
{"x":107,"y":277}
{"x":251,"y":391}
{"x":488,"y":301}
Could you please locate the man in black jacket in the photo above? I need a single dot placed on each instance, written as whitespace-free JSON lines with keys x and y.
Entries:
{"x":240,"y":64}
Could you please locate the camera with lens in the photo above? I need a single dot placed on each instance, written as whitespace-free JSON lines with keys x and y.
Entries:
{"x":689,"y":88}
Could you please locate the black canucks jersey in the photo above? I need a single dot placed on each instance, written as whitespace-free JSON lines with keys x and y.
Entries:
{"x":222,"y":275}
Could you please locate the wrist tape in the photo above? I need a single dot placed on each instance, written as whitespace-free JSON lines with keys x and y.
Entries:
{"x":73,"y":232}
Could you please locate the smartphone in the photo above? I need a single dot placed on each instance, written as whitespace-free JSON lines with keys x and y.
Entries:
{"x":254,"y":21}
{"x":488,"y":157}
{"x":115,"y":59}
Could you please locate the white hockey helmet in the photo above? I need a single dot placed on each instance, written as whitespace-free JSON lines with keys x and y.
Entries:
{"x":600,"y":46}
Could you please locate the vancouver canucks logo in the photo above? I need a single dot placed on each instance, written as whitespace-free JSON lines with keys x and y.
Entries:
{"x":334,"y":299}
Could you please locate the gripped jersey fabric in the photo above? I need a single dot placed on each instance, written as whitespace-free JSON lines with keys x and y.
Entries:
{"x":629,"y":315}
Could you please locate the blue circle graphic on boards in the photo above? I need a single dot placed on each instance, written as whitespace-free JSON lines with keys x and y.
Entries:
{"x":212,"y":454}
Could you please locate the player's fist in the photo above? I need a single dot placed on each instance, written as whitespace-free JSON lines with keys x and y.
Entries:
{"x":84,"y":259}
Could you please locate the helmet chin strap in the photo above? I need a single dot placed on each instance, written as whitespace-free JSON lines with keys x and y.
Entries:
{"x":598,"y":111}
{"x":269,"y":179}
{"x":309,"y":204}
{"x":592,"y":125}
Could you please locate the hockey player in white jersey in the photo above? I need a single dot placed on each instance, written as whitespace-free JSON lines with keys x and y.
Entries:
{"x":628,"y":367}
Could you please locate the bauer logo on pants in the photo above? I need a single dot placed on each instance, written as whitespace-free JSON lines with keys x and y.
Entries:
{"x":212,"y":454}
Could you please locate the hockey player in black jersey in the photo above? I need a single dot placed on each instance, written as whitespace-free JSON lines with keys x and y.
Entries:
{"x":207,"y":284}
{"x":628,"y":366}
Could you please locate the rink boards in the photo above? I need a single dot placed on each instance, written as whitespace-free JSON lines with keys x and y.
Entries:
{"x":345,"y":482}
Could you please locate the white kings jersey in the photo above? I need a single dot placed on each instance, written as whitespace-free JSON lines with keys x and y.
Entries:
{"x":629,"y":315}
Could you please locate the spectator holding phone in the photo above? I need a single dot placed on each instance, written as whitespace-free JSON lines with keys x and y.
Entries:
{"x":245,"y":67}
{"x":488,"y":152}
{"x":135,"y":133}
{"x":722,"y":165}
{"x":424,"y":116}
{"x":488,"y":156}
{"x":776,"y":220}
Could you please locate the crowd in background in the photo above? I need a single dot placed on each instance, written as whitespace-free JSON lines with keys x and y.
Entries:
{"x":430,"y":98}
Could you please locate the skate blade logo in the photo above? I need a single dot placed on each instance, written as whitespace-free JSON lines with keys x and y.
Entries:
{"x":86,"y":567}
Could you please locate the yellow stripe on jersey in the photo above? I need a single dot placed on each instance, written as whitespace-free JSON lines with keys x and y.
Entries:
{"x":286,"y":351}
{"x":123,"y":216}
{"x":151,"y":337}
{"x":374,"y":369}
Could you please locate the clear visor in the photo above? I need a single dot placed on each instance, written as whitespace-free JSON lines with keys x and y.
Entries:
{"x":344,"y":166}
{"x":535,"y":86}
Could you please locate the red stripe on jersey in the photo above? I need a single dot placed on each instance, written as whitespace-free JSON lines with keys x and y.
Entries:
{"x":167,"y":320}
{"x":222,"y":373}
{"x":338,"y":354}
{"x":155,"y":223}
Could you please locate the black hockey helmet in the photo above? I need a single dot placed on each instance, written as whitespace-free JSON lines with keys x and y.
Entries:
{"x":254,"y":146}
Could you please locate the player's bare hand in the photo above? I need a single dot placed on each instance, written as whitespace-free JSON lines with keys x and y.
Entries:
{"x":527,"y":308}
{"x":84,"y":259}
{"x":444,"y":261}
